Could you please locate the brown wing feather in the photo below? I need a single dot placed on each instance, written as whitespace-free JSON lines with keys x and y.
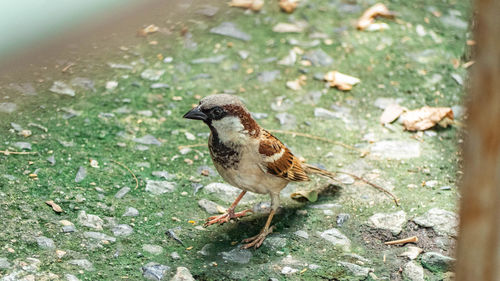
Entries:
{"x":287,"y":166}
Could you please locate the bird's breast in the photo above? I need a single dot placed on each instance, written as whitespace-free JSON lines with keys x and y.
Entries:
{"x":239,"y":166}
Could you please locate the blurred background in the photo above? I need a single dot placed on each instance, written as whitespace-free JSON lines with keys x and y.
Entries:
{"x":48,"y":33}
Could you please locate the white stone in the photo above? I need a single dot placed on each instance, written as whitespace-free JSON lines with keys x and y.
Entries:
{"x":89,"y":220}
{"x":301,"y":233}
{"x":389,"y":221}
{"x":337,"y":238}
{"x":226,"y":192}
{"x":411,"y":252}
{"x":442,"y":221}
{"x":122,"y":230}
{"x":413,"y":272}
{"x":182,"y":274}
{"x":99,"y":236}
{"x":355,"y":269}
{"x":152,"y":249}
{"x":159,"y":187}
{"x":131,"y":212}
{"x":288,"y":270}
{"x":83,"y":263}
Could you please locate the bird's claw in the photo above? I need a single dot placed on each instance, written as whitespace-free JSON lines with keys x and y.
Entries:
{"x":257,"y":240}
{"x":221,"y":219}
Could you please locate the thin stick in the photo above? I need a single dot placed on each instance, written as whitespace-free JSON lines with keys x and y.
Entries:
{"x":6,"y":152}
{"x":191,"y":145}
{"x":67,"y":67}
{"x":396,"y":200}
{"x":130,"y":171}
{"x":363,"y":152}
{"x":413,"y":239}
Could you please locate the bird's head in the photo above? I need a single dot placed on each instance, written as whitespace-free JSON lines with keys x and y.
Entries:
{"x":226,"y":115}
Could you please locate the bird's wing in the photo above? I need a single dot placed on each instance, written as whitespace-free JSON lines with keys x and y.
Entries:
{"x":278,"y":160}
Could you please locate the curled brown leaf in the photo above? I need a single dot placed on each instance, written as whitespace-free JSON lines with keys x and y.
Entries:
{"x":54,"y":206}
{"x":288,"y":6}
{"x":148,"y":30}
{"x":427,"y":117}
{"x":297,"y":83}
{"x":342,"y":81}
{"x":391,"y":113}
{"x":254,"y":5}
{"x":377,"y":10}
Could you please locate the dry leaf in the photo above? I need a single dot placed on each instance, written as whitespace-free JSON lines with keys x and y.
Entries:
{"x":310,"y":195}
{"x":94,"y":163}
{"x":391,"y":113}
{"x":254,"y":5}
{"x":60,"y":253}
{"x":148,"y":30}
{"x":427,"y":117}
{"x":342,"y":81}
{"x":377,"y":26}
{"x":377,"y":10}
{"x":288,"y":5}
{"x":287,"y":27}
{"x":297,"y":83}
{"x":25,"y":133}
{"x":294,"y":85}
{"x":54,"y":206}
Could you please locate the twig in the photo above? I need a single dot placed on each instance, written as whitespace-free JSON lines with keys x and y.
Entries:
{"x":6,"y":152}
{"x":67,"y":67}
{"x":396,"y":200}
{"x":191,"y":145}
{"x":362,"y":152}
{"x":413,"y":239}
{"x":130,"y":171}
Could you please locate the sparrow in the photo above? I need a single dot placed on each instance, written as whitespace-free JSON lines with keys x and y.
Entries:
{"x":248,"y":157}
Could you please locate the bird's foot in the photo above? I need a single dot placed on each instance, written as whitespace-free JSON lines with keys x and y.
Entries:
{"x":230,"y":214}
{"x":257,"y":240}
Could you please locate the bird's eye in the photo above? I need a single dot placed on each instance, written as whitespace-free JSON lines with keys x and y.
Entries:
{"x":217,"y":113}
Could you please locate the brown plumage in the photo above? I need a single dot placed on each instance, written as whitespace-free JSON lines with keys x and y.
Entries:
{"x":248,"y":157}
{"x":287,"y":166}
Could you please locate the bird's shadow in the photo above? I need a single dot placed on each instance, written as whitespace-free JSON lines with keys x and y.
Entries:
{"x":229,"y":236}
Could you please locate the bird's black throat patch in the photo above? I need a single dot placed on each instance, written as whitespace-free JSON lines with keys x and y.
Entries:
{"x":226,"y":156}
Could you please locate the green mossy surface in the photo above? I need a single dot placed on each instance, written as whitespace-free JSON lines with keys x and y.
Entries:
{"x":384,"y":61}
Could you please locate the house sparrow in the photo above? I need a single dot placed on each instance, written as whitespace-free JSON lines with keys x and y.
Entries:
{"x":248,"y":157}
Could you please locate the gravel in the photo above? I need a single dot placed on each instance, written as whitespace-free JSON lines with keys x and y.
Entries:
{"x":231,"y":30}
{"x":337,"y":238}
{"x":154,"y":271}
{"x":159,"y":187}
{"x":389,"y":221}
{"x":437,"y":262}
{"x":237,"y":255}
{"x":442,"y":221}
{"x":88,"y":220}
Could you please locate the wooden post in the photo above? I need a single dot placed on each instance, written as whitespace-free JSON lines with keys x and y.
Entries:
{"x":479,"y":235}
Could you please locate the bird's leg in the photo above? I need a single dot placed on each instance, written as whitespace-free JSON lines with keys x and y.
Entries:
{"x":229,"y":213}
{"x":257,"y":240}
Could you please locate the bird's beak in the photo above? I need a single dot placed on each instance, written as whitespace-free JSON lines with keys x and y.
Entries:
{"x":195,"y":114}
